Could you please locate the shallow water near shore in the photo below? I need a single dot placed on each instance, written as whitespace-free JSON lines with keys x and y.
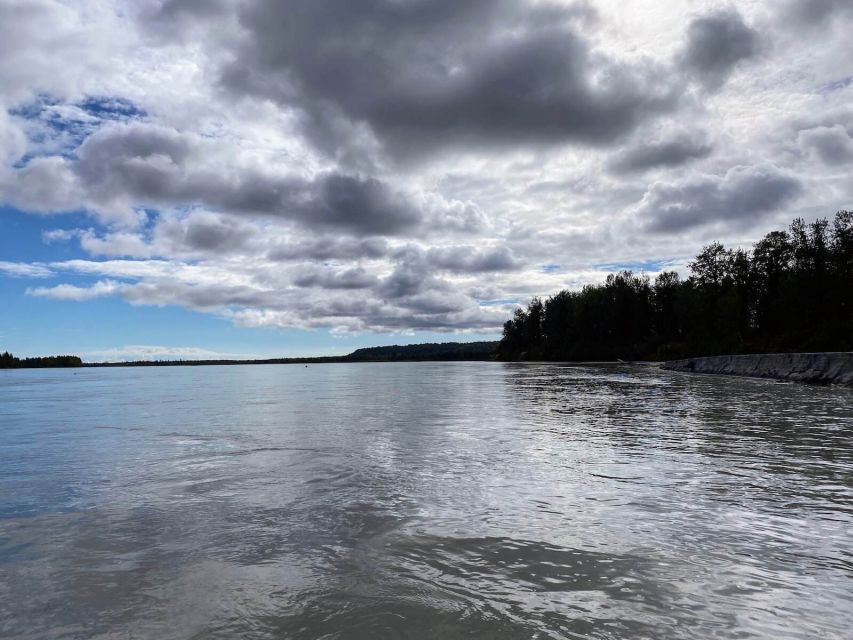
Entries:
{"x":423,"y":500}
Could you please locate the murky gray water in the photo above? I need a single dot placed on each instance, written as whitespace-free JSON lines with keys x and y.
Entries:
{"x":423,"y":501}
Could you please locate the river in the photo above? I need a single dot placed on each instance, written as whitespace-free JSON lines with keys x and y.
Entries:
{"x":422,"y":500}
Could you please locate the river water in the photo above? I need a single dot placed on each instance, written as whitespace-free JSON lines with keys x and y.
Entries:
{"x":433,"y":500}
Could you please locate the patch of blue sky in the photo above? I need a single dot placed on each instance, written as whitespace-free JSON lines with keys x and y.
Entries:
{"x":58,"y":128}
{"x":112,"y":108}
{"x":836,"y":85}
{"x":499,"y":301}
{"x":22,"y":236}
{"x":652,"y":266}
{"x":549,"y":268}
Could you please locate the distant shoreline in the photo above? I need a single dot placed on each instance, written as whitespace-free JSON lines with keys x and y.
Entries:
{"x":814,"y":368}
{"x":428,"y":352}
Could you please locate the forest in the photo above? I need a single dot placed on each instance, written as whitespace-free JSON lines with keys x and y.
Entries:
{"x":792,"y":291}
{"x":8,"y":361}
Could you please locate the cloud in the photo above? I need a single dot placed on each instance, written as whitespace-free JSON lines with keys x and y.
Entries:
{"x":77,"y":294}
{"x":46,"y":185}
{"x":34,"y":36}
{"x":329,"y":248}
{"x":422,"y":76}
{"x":812,"y":13}
{"x":740,"y":197}
{"x":325,"y":278}
{"x":716,"y":44}
{"x":124,"y":167}
{"x":117,"y":244}
{"x":13,"y":142}
{"x":397,"y":165}
{"x":833,"y":145}
{"x":203,"y":232}
{"x":59,"y":235}
{"x":130,"y":353}
{"x":472,"y":259}
{"x":668,"y":153}
{"x":24,"y":270}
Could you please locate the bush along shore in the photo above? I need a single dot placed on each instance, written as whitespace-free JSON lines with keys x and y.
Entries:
{"x":792,"y":292}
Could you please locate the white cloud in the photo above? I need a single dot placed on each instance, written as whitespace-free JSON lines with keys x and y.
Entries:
{"x":131,"y":353}
{"x":24,"y":270}
{"x":75,"y":293}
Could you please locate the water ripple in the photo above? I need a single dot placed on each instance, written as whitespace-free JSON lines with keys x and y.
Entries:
{"x":423,"y":501}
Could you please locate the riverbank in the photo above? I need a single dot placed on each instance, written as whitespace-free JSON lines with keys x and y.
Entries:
{"x":817,"y":368}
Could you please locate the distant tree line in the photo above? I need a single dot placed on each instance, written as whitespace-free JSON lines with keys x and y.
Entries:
{"x":396,"y":353}
{"x":8,"y":361}
{"x":793,"y":291}
{"x":442,"y":351}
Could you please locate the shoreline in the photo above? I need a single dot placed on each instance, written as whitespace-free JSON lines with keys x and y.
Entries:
{"x":812,"y":368}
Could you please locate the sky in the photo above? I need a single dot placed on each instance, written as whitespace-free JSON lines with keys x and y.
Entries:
{"x":258,"y":178}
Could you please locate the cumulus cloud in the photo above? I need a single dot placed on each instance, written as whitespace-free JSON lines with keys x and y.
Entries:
{"x":72,"y":292}
{"x":46,"y":185}
{"x":421,"y":76}
{"x":124,"y":167}
{"x":34,"y":35}
{"x":472,"y":260}
{"x":667,"y":153}
{"x":13,"y":142}
{"x":203,"y":232}
{"x":716,"y":44}
{"x":328,"y":248}
{"x":116,"y":244}
{"x":24,"y":270}
{"x":386,"y":165}
{"x":740,"y":196}
{"x":325,"y":278}
{"x":811,"y":13}
{"x":833,"y":145}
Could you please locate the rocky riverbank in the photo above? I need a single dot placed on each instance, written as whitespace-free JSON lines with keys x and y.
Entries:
{"x":820,"y":368}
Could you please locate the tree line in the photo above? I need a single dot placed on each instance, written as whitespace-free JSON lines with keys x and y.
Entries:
{"x":395,"y":353}
{"x":793,"y":291}
{"x":8,"y":361}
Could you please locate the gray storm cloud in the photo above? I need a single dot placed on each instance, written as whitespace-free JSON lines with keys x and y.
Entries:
{"x":738,"y":197}
{"x":716,"y":44}
{"x":428,"y":75}
{"x":667,"y":153}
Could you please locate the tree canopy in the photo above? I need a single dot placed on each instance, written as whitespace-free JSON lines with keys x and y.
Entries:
{"x":793,"y":291}
{"x":8,"y":361}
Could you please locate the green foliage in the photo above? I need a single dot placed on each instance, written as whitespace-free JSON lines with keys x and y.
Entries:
{"x":792,"y":292}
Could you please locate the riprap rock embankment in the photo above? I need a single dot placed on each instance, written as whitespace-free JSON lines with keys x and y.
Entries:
{"x":821,"y":368}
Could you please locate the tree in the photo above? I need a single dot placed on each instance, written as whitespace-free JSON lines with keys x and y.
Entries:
{"x":793,"y":291}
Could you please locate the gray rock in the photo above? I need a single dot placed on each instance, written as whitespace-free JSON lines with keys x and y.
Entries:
{"x":822,"y":368}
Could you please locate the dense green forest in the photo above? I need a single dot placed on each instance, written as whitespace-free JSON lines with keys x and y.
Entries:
{"x":429,"y":351}
{"x":793,"y":291}
{"x":8,"y":361}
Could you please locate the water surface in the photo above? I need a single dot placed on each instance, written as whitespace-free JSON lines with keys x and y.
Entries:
{"x":434,"y":500}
